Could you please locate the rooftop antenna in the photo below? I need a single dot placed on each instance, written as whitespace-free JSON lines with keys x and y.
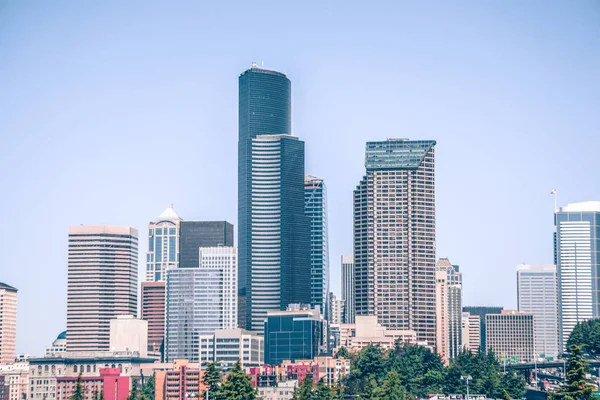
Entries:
{"x":254,"y":65}
{"x":553,"y":192}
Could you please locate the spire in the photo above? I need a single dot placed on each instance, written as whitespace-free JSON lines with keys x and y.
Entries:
{"x":169,"y":214}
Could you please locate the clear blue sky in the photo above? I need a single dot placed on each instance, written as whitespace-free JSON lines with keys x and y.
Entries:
{"x":109,"y":111}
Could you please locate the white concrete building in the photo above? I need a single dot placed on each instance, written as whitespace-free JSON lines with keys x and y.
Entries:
{"x":129,"y":334}
{"x":283,"y":391}
{"x":336,"y":313}
{"x":230,"y":345}
{"x":8,"y":323}
{"x":510,"y":336}
{"x":471,"y":332}
{"x":367,"y":331}
{"x":59,"y":345}
{"x":16,"y":375}
{"x":537,"y":294}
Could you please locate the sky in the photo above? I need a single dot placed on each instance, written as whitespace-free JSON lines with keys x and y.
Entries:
{"x":110,"y":111}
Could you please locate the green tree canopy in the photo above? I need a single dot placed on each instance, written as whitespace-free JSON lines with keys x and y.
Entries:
{"x":576,"y":387}
{"x":237,"y":386}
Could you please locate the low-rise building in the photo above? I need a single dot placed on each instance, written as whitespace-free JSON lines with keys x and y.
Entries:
{"x":510,"y":336}
{"x":109,"y":384}
{"x":181,"y":380}
{"x":282,"y":391}
{"x":367,"y":331}
{"x":129,"y":334}
{"x":44,"y":372}
{"x":231,"y":345}
{"x":16,"y":378}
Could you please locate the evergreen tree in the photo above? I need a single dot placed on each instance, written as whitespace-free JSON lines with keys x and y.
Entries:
{"x":576,"y":387}
{"x":134,"y":394}
{"x":237,"y":386}
{"x":343,"y":353}
{"x":324,"y":391}
{"x":148,"y":388}
{"x":305,"y":390}
{"x":391,"y":388}
{"x":79,"y":392}
{"x":211,"y":379}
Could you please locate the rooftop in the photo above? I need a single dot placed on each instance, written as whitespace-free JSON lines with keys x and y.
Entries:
{"x":584,"y":206}
{"x":169,"y":214}
{"x":7,"y":287}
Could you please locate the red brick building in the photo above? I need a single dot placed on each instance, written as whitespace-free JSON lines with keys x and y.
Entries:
{"x":110,"y":384}
{"x":153,"y":311}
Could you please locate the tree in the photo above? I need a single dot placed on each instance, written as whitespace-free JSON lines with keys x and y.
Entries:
{"x":79,"y":392}
{"x":237,"y":386}
{"x":391,"y":389}
{"x":324,"y":391}
{"x":576,"y":387}
{"x":305,"y":390}
{"x":148,"y":388}
{"x":343,"y":353}
{"x":212,"y":379}
{"x":134,"y":394}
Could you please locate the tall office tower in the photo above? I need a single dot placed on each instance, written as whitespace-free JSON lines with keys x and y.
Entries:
{"x":577,"y":242}
{"x":102,"y":283}
{"x":482,"y":312}
{"x":153,"y":311}
{"x":279,"y":269}
{"x":200,"y":301}
{"x":537,"y":294}
{"x":336,"y":309}
{"x":510,"y":335}
{"x":471,"y":332}
{"x":265,"y":108}
{"x":196,"y":234}
{"x":448,"y":309}
{"x":315,"y":200}
{"x":8,"y":323}
{"x":394,"y":236}
{"x":163,"y":245}
{"x":348,"y":288}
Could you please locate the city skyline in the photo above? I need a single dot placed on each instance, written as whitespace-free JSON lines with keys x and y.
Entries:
{"x":71,"y":133}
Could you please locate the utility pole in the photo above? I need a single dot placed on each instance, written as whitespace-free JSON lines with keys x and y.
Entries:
{"x":467,"y":378}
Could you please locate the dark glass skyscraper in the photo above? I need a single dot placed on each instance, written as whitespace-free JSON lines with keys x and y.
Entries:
{"x":273,"y":231}
{"x":196,"y":234}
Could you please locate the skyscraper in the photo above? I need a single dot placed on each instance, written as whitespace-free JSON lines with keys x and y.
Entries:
{"x":577,"y":241}
{"x":394,"y":236}
{"x":315,"y":198}
{"x":279,"y":270}
{"x":348,"y":288}
{"x":537,"y":295}
{"x":265,"y":108}
{"x":163,"y":245}
{"x":196,"y":234}
{"x":448,"y":309}
{"x":102,"y":283}
{"x":153,"y":310}
{"x":471,"y":332}
{"x":8,"y":323}
{"x":482,"y":312}
{"x":200,"y":301}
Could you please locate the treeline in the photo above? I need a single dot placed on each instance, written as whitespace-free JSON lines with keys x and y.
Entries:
{"x":586,"y":335}
{"x":409,"y":371}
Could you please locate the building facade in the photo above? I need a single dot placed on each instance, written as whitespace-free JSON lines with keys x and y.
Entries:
{"x":348,"y":289}
{"x":181,"y":381}
{"x":315,"y":203}
{"x":163,"y":245}
{"x":200,"y":301}
{"x":153,"y":310}
{"x":102,"y":283}
{"x":8,"y":323}
{"x":482,"y":312}
{"x":278,"y":270}
{"x":394,"y":236}
{"x":336,"y":309}
{"x":448,"y":309}
{"x":109,"y":384}
{"x":229,"y":346}
{"x":367,"y":331}
{"x":577,"y":252}
{"x":129,"y":334}
{"x":293,"y":335}
{"x":510,"y":336}
{"x":471,"y":332}
{"x":59,"y":345}
{"x":537,"y":294}
{"x":265,"y":108}
{"x":16,"y":380}
{"x":196,"y":234}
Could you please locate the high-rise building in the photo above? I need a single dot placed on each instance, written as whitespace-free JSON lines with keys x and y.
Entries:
{"x":394,"y":236}
{"x":471,"y":332}
{"x":537,"y":295}
{"x":348,"y":288}
{"x":482,"y":312}
{"x":278,"y":271}
{"x":163,"y":245}
{"x":8,"y":323}
{"x":102,"y":283}
{"x":315,"y":198}
{"x":200,"y":301}
{"x":293,"y":335}
{"x":153,"y":310}
{"x":577,"y":252}
{"x":448,"y":309}
{"x":510,"y":335}
{"x":265,"y":108}
{"x":336,"y":309}
{"x":196,"y":234}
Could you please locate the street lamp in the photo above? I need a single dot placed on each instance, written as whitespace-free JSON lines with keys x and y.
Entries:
{"x":466,"y":378}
